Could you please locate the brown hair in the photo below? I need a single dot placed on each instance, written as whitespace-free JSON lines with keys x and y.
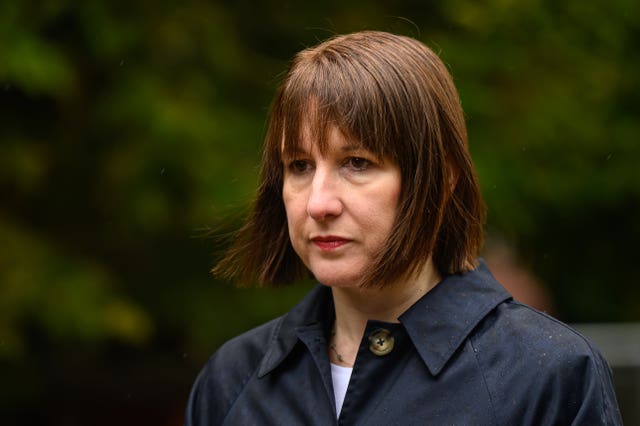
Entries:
{"x":393,"y":95}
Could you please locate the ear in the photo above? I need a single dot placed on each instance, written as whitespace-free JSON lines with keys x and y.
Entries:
{"x":453,"y":174}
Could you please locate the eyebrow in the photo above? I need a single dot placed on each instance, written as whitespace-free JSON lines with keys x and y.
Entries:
{"x":343,"y":148}
{"x":351,"y":147}
{"x":293,"y":152}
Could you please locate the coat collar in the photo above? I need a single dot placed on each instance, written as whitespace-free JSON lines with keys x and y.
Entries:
{"x":442,"y":319}
{"x":437,"y":323}
{"x":315,"y":309}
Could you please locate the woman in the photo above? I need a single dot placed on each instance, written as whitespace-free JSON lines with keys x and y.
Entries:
{"x":368,"y":185}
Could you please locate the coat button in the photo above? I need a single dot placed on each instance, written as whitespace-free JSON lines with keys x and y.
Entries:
{"x":381,"y":342}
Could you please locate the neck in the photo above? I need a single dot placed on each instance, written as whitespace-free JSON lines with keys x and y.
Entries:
{"x":355,"y":306}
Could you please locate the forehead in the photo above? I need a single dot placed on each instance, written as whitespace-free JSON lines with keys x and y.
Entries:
{"x":330,"y":138}
{"x":322,"y":134}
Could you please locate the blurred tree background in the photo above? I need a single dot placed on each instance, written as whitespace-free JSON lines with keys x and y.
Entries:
{"x":131,"y":130}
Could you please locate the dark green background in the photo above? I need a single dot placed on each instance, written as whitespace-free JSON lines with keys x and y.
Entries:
{"x":130,"y":132}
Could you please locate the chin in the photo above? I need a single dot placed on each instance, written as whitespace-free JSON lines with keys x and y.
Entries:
{"x":333,"y":280}
{"x":337,"y":273}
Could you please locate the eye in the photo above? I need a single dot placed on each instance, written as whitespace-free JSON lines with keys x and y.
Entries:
{"x":299,"y":166}
{"x":358,"y":163}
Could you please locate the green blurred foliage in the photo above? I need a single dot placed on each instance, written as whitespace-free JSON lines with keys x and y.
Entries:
{"x":131,"y":133}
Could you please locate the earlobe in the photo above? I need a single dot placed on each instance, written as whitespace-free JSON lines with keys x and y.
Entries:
{"x":453,"y":175}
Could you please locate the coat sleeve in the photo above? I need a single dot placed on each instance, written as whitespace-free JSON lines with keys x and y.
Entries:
{"x":219,"y":384}
{"x":225,"y":375}
{"x":599,"y":405}
{"x":203,"y":407}
{"x":191,"y":412}
{"x":539,"y":371}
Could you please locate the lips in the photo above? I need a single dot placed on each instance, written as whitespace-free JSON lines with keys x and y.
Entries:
{"x":329,"y":242}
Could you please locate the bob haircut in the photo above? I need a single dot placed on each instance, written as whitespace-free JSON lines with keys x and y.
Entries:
{"x":395,"y":97}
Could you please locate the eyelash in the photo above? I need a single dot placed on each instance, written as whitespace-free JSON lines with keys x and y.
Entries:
{"x":365,"y":164}
{"x":296,"y":165}
{"x":358,"y":164}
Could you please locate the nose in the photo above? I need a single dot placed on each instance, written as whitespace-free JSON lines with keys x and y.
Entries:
{"x":324,"y":198}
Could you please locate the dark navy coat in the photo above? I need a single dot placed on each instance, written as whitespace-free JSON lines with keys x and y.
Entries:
{"x":464,"y":354}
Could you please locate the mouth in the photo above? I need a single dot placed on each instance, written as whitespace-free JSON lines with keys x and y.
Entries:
{"x":329,"y":242}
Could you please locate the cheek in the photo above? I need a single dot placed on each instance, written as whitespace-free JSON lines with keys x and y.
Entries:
{"x":294,"y":209}
{"x":387,"y":210}
{"x":391,"y":199}
{"x":378,"y":217}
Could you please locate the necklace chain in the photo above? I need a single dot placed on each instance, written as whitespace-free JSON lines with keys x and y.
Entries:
{"x":332,"y":345}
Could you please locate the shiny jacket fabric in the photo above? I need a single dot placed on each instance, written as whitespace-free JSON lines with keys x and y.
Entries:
{"x":465,"y":354}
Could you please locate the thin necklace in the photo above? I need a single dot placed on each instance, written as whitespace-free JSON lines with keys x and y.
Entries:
{"x":332,"y":345}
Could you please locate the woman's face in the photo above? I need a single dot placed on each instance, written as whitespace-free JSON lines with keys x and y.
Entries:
{"x":340,"y":207}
